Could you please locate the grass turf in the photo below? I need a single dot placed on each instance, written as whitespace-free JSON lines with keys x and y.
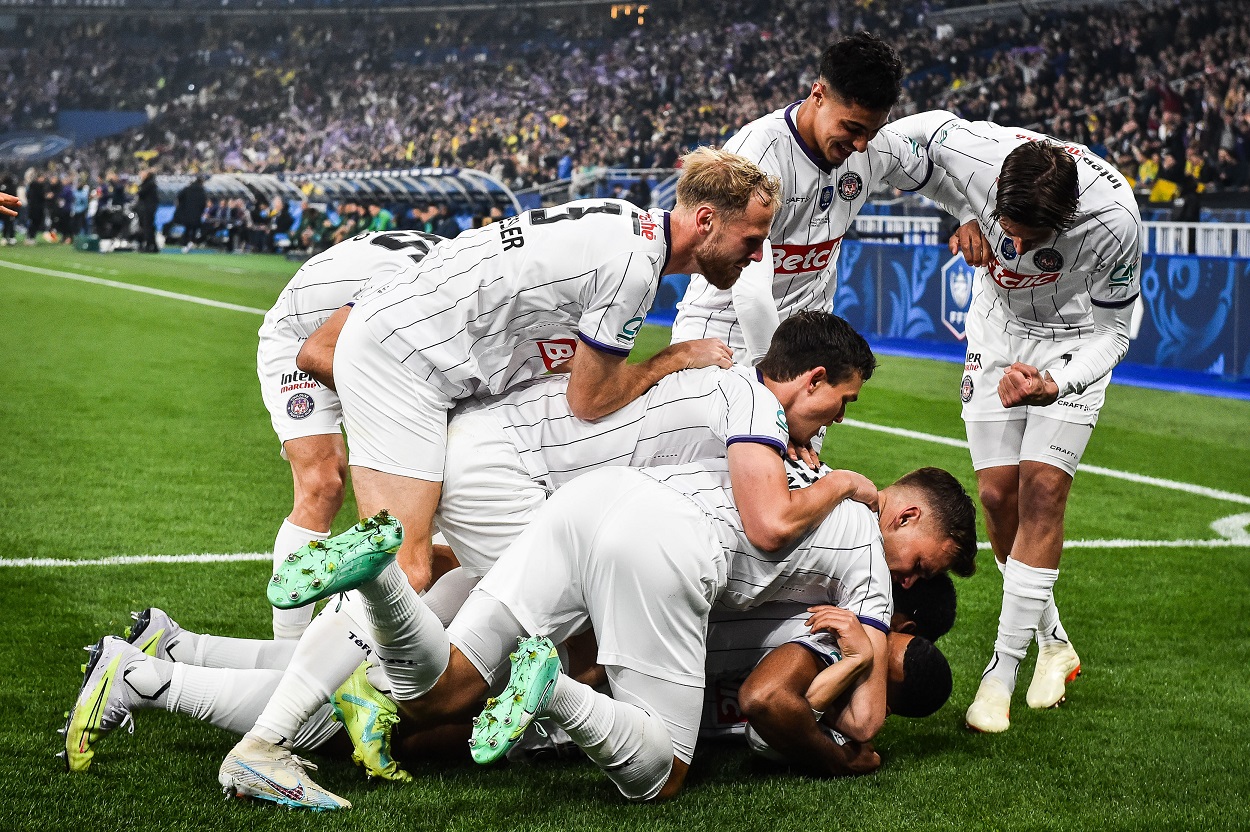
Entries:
{"x":135,"y":427}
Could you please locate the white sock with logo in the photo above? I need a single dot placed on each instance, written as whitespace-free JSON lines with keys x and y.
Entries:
{"x":411,"y":642}
{"x":205,"y":650}
{"x":326,"y":656}
{"x":290,"y":624}
{"x":1026,"y":590}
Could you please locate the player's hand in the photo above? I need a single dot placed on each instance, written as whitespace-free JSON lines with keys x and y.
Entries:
{"x":862,"y":758}
{"x":969,"y":241}
{"x":865,"y":491}
{"x":852,"y":639}
{"x":1023,"y":385}
{"x":9,"y":205}
{"x":705,"y":352}
{"x":803,"y":453}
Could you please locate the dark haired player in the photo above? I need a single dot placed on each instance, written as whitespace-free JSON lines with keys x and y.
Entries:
{"x":829,"y":151}
{"x":1056,"y":234}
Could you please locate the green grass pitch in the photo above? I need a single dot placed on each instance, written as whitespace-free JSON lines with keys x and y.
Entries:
{"x":134,"y":426}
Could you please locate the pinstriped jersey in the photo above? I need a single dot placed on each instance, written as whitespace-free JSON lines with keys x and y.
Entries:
{"x":841,"y":561}
{"x":502,"y":304}
{"x":819,"y":203}
{"x":686,"y":416}
{"x":1048,"y":293}
{"x":337,"y":275}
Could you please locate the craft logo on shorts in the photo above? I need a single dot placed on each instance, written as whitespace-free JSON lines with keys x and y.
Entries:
{"x":1008,"y":248}
{"x":300,"y":406}
{"x":965,"y":389}
{"x":850,"y":186}
{"x":826,"y":197}
{"x":1048,"y":260}
{"x":556,"y":352}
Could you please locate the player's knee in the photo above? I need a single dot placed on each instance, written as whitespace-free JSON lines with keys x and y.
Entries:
{"x":323,"y":488}
{"x":1045,"y":493}
{"x":762,"y":702}
{"x":997,"y":497}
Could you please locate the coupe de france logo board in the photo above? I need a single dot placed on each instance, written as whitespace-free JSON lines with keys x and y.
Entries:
{"x":957,"y":278}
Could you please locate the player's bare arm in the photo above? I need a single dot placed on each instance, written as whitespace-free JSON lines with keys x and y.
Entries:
{"x":773,"y":516}
{"x":969,"y":240}
{"x":316,"y":357}
{"x":601,"y":383}
{"x":865,"y":711}
{"x":857,"y":655}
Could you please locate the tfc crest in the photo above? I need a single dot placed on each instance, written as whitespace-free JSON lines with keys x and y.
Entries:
{"x":1048,"y":260}
{"x":850,"y":186}
{"x":957,"y":278}
{"x":300,"y":406}
{"x":556,"y":351}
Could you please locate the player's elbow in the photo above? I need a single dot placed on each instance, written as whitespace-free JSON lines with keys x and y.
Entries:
{"x":767,"y":532}
{"x":317,"y":359}
{"x":589,"y":406}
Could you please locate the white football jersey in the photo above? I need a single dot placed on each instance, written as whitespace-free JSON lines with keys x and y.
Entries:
{"x":502,"y":304}
{"x":334,"y":278}
{"x":819,"y":203}
{"x":1048,"y":293}
{"x":841,"y":561}
{"x":686,"y":416}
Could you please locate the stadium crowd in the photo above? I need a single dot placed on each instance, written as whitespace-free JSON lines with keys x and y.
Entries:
{"x":1157,"y":88}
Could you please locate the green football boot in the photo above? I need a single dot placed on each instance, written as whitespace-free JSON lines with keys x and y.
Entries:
{"x":368,"y":717}
{"x":327,"y":567}
{"x":535,"y":667}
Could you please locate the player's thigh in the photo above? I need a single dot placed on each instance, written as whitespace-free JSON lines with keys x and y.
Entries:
{"x":651,"y":578}
{"x":995,"y":443}
{"x":678,"y":706}
{"x":298,"y":406}
{"x":488,"y":496}
{"x":1055,"y":442}
{"x":397,"y":420}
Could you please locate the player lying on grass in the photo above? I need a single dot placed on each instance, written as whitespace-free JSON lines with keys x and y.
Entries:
{"x":646,"y":589}
{"x":1056,"y":234}
{"x":359,"y":719}
{"x":306,"y":415}
{"x":500,"y":305}
{"x":505,"y":457}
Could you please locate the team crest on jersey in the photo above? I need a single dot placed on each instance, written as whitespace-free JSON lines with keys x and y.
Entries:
{"x":826,"y":197}
{"x":850,"y":186}
{"x":1008,"y":248}
{"x":300,"y":406}
{"x":1048,"y":260}
{"x":556,"y":351}
{"x":965,"y":389}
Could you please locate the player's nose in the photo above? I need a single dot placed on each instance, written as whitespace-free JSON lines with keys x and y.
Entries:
{"x":860,"y":144}
{"x":757,"y":254}
{"x":1021,"y":244}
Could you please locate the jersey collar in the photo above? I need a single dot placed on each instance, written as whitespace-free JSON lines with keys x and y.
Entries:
{"x":668,"y":242}
{"x":816,"y":159}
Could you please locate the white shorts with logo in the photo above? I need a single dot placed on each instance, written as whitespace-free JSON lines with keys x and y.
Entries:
{"x":298,"y":406}
{"x":396,"y":420}
{"x":617,"y":551}
{"x":1055,"y":434}
{"x":488,"y":497}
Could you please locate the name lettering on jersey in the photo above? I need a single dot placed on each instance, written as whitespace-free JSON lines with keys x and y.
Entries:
{"x":793,"y":199}
{"x":630,"y":331}
{"x":644,"y":226}
{"x":1014,"y":280}
{"x":1079,"y":154}
{"x":793,"y":259}
{"x":510,"y":233}
{"x":557,"y":351}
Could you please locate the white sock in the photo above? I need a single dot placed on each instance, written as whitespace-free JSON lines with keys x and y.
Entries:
{"x":1050,"y":629}
{"x":145,"y":682}
{"x":631,"y":746}
{"x":205,"y":650}
{"x":448,"y":594}
{"x":325,"y":657}
{"x":290,"y":624}
{"x":411,"y":643}
{"x":1026,"y":591}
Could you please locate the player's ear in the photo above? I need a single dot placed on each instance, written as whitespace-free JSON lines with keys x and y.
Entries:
{"x":911,"y":514}
{"x":703,"y":216}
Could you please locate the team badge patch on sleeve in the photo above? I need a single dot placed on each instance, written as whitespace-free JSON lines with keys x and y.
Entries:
{"x":300,"y":406}
{"x":1048,"y":260}
{"x":965,"y":389}
{"x":850,"y":186}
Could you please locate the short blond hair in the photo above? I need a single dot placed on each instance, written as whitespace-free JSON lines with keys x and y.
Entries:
{"x":724,"y":180}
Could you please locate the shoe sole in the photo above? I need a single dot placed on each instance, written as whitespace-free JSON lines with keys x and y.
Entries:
{"x":320,"y":568}
{"x":481,"y":749}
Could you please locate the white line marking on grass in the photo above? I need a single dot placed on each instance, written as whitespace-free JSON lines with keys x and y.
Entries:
{"x":129,"y":560}
{"x":116,"y":284}
{"x":1142,"y":544}
{"x":1233,"y":528}
{"x":1141,"y":479}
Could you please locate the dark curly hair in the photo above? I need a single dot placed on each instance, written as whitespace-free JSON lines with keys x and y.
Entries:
{"x":865,"y":70}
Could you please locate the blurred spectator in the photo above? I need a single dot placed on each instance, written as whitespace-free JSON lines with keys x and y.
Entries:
{"x":148,"y":202}
{"x":380,"y":219}
{"x":1230,"y":172}
{"x":189,"y":212}
{"x":445,"y":225}
{"x":8,"y":225}
{"x":312,"y":224}
{"x":37,"y":207}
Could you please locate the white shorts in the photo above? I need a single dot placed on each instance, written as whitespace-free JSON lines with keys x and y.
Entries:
{"x":1037,"y":439}
{"x":618,"y":551}
{"x":396,"y":420}
{"x":488,"y":497}
{"x":298,"y":406}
